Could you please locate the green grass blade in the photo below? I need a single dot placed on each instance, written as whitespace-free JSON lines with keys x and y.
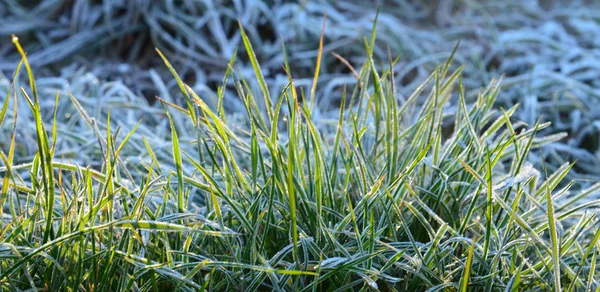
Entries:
{"x":313,"y":89}
{"x":181,"y":204}
{"x":258,"y":72}
{"x":464,"y":287}
{"x":191,"y":108}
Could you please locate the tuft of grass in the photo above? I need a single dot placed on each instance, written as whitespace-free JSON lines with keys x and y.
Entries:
{"x":376,"y":199}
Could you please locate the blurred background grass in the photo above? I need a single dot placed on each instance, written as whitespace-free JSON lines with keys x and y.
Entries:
{"x":548,"y":52}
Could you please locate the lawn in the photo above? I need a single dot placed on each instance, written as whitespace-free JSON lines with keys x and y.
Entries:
{"x":440,"y":188}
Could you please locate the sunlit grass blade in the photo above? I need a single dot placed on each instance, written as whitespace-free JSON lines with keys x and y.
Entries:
{"x":190,"y":109}
{"x":317,"y":65}
{"x":258,"y":72}
{"x":181,"y":204}
{"x":43,"y":147}
{"x":464,"y":287}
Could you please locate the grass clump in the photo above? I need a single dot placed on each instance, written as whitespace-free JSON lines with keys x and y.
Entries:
{"x":380,"y":198}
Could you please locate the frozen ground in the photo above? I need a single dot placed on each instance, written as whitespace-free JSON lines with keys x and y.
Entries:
{"x":548,"y":52}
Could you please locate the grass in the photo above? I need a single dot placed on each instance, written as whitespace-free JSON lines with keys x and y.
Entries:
{"x":546,"y":49}
{"x":378,"y":198}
